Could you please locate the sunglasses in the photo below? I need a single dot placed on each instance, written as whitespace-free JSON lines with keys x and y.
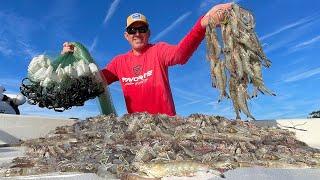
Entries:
{"x":134,"y":30}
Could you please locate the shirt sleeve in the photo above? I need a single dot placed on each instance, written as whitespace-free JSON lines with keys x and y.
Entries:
{"x":179,"y":54}
{"x":110,"y":72}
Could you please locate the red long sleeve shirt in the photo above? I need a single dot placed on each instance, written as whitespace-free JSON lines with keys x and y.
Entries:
{"x":144,"y":78}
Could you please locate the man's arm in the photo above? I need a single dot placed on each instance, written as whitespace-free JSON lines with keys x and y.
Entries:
{"x":109,"y":73}
{"x":180,"y":53}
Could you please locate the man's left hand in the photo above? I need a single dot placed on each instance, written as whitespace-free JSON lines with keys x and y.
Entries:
{"x":217,"y":13}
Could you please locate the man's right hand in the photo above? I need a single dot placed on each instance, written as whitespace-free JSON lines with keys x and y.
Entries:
{"x":67,"y":47}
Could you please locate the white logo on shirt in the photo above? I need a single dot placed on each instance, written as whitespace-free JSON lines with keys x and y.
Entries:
{"x":137,"y":79}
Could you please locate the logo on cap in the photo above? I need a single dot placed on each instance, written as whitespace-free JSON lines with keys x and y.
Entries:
{"x":136,"y":16}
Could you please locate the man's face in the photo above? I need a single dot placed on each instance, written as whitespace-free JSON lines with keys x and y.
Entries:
{"x":137,"y":36}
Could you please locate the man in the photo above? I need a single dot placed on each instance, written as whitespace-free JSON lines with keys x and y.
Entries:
{"x":143,"y":71}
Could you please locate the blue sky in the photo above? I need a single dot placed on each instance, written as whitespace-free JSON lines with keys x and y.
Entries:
{"x":288,"y":29}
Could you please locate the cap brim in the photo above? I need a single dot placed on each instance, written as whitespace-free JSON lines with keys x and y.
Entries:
{"x":137,"y":21}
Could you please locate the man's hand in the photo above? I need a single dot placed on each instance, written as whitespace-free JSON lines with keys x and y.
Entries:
{"x":217,"y":13}
{"x":67,"y":47}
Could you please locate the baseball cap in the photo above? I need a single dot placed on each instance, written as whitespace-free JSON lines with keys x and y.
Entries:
{"x":135,"y":17}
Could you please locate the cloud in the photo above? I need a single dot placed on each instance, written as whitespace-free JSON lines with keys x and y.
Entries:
{"x":303,"y":75}
{"x":189,"y":103}
{"x":60,"y":17}
{"x":190,"y":98}
{"x":76,"y":112}
{"x":289,"y":40}
{"x":94,"y":44}
{"x":188,"y":95}
{"x":91,"y":108}
{"x":303,"y":44}
{"x":27,"y":49}
{"x":222,"y":109}
{"x":4,"y":48}
{"x":111,"y":10}
{"x":273,"y":115}
{"x":307,"y":43}
{"x":291,"y":108}
{"x":16,"y":31}
{"x":11,"y":84}
{"x":172,"y":25}
{"x":290,"y":26}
